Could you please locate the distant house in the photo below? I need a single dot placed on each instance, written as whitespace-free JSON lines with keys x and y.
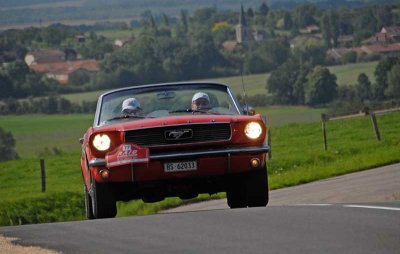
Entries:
{"x":230,"y":45}
{"x":121,"y":42}
{"x":313,"y":29}
{"x":80,"y":38}
{"x":44,"y":56}
{"x":61,"y":71}
{"x":389,"y":34}
{"x":383,"y":49}
{"x":345,"y":40}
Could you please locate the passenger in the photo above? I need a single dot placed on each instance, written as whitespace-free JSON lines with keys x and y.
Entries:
{"x":200,"y":100}
{"x":131,"y":107}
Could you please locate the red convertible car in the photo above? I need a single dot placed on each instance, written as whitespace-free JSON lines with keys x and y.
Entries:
{"x":150,"y":142}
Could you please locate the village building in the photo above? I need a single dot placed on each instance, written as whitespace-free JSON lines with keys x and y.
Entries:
{"x":313,"y":29}
{"x":389,"y":34}
{"x":61,"y":71}
{"x":392,"y":49}
{"x":44,"y":56}
{"x":244,"y":34}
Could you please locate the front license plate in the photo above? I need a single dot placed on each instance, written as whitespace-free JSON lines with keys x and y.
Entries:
{"x":180,"y":166}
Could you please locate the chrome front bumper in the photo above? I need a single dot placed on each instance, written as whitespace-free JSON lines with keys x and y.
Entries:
{"x":199,"y":153}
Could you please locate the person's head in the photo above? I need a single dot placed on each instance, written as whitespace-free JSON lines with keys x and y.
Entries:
{"x":131,"y":106}
{"x":200,"y":100}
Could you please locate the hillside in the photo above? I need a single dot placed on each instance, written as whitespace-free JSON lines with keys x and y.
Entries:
{"x":44,"y":12}
{"x":255,"y":84}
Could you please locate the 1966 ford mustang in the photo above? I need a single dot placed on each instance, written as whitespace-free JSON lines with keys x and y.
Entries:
{"x":173,"y":140}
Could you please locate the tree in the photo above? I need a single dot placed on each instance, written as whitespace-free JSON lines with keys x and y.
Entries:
{"x":7,"y":146}
{"x":381,"y":75}
{"x":393,"y":89}
{"x":286,"y":83}
{"x":184,"y":21}
{"x":363,"y":87}
{"x":6,"y":87}
{"x":321,"y":87}
{"x":264,"y":9}
{"x":304,"y":15}
{"x":330,"y":28}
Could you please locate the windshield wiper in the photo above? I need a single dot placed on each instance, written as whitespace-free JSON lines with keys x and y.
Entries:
{"x":125,"y":117}
{"x":189,"y":110}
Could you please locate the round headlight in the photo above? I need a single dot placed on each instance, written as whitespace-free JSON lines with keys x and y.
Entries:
{"x":102,"y":142}
{"x":253,"y":130}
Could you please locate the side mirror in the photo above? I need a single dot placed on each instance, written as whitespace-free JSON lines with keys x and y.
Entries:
{"x":249,"y":110}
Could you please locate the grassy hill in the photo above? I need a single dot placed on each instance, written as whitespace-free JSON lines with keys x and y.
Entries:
{"x":255,"y":84}
{"x":297,"y":149}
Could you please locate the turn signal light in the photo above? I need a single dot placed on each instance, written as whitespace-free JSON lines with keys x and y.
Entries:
{"x":105,"y":173}
{"x":255,"y":163}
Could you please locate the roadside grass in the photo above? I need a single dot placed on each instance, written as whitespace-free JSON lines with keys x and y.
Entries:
{"x":256,"y":83}
{"x":297,"y":157}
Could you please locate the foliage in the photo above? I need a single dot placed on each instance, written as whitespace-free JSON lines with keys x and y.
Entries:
{"x":381,"y":74}
{"x":7,"y":146}
{"x":321,"y":87}
{"x":53,"y":207}
{"x":393,"y":89}
{"x":287,"y":83}
{"x":52,"y":104}
{"x":330,"y":28}
{"x":364,"y":87}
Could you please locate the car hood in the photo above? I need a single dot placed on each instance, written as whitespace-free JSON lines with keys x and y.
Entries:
{"x":130,"y":124}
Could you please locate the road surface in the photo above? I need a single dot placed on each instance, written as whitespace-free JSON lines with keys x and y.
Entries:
{"x":339,"y":215}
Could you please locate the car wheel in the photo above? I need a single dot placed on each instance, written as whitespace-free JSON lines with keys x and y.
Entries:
{"x":88,"y":204}
{"x":257,"y":188}
{"x":103,"y":201}
{"x":236,"y":194}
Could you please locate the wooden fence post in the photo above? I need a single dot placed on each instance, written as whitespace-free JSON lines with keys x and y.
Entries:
{"x":375,"y":125}
{"x":43,"y":174}
{"x":324,"y":119}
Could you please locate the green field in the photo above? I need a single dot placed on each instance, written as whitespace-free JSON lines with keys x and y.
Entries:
{"x":255,"y":84}
{"x":348,"y":74}
{"x":297,"y":150}
{"x":35,"y":134}
{"x":119,"y":34}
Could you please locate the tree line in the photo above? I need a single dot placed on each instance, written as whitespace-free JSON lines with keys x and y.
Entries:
{"x":165,"y":49}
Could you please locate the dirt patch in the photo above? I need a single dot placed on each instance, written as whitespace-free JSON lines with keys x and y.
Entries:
{"x":7,"y":247}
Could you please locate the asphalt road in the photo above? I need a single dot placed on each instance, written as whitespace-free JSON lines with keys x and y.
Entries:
{"x":321,"y":227}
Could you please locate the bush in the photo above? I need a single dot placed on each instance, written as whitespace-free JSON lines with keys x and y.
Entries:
{"x":50,"y":208}
{"x":7,"y":146}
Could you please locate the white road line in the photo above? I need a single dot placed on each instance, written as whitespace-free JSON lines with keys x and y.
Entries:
{"x":374,"y":207}
{"x":313,"y":204}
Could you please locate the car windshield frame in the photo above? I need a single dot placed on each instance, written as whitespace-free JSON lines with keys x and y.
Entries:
{"x":167,"y":90}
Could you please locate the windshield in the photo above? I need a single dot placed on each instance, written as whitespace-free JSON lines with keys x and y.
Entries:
{"x":165,"y":100}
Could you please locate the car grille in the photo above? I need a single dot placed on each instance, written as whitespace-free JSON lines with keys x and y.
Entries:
{"x":193,"y":133}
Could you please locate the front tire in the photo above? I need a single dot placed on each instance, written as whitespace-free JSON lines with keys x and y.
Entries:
{"x":250,"y":190}
{"x":88,"y":204}
{"x":103,"y":200}
{"x":257,"y":189}
{"x":236,"y":195}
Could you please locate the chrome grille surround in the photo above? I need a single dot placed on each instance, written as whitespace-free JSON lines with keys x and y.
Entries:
{"x":200,"y":133}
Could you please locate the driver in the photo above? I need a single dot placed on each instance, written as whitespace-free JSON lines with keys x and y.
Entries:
{"x":131,"y":107}
{"x":200,"y":100}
